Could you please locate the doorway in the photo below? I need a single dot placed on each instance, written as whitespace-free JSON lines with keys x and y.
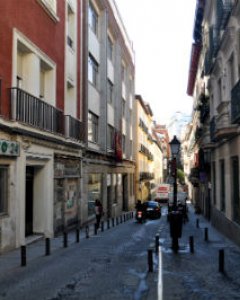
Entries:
{"x":29,"y":201}
{"x":125,"y":193}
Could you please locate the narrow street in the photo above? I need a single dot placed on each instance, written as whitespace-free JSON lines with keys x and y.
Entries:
{"x":113,"y":265}
{"x":110,"y":265}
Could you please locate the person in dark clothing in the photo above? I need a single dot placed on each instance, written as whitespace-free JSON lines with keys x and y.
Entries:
{"x":98,"y":212}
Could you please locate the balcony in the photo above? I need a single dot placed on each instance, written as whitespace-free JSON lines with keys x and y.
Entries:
{"x":146,"y":176}
{"x":235,"y":104}
{"x":28,"y":109}
{"x":74,"y":128}
{"x":33,"y":111}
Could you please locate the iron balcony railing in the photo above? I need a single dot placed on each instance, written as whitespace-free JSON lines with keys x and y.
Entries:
{"x":146,"y":176}
{"x":213,"y":129}
{"x":73,"y":128}
{"x":33,"y":111}
{"x":235,"y":103}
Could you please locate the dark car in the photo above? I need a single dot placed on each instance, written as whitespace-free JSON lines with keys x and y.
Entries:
{"x":153,"y":209}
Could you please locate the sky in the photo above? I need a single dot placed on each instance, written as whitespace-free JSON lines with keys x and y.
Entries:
{"x":161,"y":32}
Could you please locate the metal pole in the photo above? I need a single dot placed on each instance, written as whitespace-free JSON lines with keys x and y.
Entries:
{"x":47,"y":249}
{"x":191,"y":243}
{"x":77,"y":235}
{"x":65,"y":239}
{"x":175,"y":184}
{"x":150,"y":260}
{"x":23,"y":256}
{"x":221,"y":260}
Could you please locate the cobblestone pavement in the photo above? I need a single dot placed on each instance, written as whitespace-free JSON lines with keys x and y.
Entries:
{"x":109,"y":265}
{"x":188,"y":276}
{"x":113,"y":265}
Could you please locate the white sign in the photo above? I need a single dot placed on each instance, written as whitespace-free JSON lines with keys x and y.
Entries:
{"x":9,"y":148}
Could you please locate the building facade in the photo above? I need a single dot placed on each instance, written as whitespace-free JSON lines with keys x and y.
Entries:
{"x":40,"y":119}
{"x":143,"y":146}
{"x":108,"y":88}
{"x":214,"y":85}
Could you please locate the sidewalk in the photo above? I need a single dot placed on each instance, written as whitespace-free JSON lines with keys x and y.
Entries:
{"x":11,"y":260}
{"x":195,"y":276}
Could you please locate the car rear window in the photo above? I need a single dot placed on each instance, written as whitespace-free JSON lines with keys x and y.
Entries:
{"x":152,"y":204}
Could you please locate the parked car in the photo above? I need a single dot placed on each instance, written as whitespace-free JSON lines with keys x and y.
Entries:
{"x":153,"y":209}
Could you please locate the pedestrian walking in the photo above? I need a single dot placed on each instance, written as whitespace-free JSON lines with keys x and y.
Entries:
{"x":98,"y":212}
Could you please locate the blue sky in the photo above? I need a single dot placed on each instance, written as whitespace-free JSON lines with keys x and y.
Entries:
{"x":161,"y":31}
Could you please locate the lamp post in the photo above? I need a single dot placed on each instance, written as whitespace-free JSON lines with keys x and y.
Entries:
{"x":175,"y":217}
{"x":175,"y":147}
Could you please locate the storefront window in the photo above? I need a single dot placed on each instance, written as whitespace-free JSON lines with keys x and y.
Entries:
{"x":94,"y":191}
{"x":3,"y":188}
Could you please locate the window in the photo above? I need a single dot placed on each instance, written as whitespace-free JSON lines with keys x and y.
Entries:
{"x":214,"y":182}
{"x":93,"y":19}
{"x":3,"y":188}
{"x":92,"y":70}
{"x":110,"y":137}
{"x":70,"y":27}
{"x":123,"y":143}
{"x":123,"y":73}
{"x":235,"y":189}
{"x":109,"y":49}
{"x":222,"y":185}
{"x":123,"y":108}
{"x":109,"y":92}
{"x":92,"y":127}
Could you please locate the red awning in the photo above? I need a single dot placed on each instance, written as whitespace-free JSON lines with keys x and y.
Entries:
{"x":195,"y":54}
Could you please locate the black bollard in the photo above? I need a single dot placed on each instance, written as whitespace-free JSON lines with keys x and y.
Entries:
{"x":77,"y":235}
{"x":102,"y":225}
{"x":191,"y":244}
{"x":23,"y":256}
{"x":197,"y":223}
{"x":121,"y":219}
{"x":108,"y":224}
{"x":206,"y":234}
{"x":65,"y":239}
{"x":113,"y":223}
{"x":150,"y":260}
{"x":117,"y":221}
{"x":124,"y":218}
{"x":221,"y":260}
{"x":157,"y":243}
{"x":47,"y":246}
{"x":87,"y":232}
{"x":95,"y":228}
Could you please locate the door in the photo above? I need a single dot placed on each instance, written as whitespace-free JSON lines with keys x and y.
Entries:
{"x":29,"y":201}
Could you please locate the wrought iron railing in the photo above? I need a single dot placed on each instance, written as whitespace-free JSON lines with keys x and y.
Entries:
{"x":146,"y":175}
{"x":74,"y":128}
{"x":235,"y":103}
{"x":33,"y":111}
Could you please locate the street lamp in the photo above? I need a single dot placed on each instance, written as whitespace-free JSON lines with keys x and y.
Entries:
{"x":175,"y":147}
{"x":175,"y":217}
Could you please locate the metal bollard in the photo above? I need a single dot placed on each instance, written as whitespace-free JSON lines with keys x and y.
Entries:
{"x":47,"y":246}
{"x":206,"y":234}
{"x":113,"y":223}
{"x":221,"y":261}
{"x":197,"y":223}
{"x":102,"y":225}
{"x":77,"y":235}
{"x":23,"y":256}
{"x":191,"y":244}
{"x":108,"y":224}
{"x":117,"y":221}
{"x":157,"y":243}
{"x":65,"y":239}
{"x":87,"y":232}
{"x":95,"y":228}
{"x":124,"y":218}
{"x":150,"y":260}
{"x":121,"y":219}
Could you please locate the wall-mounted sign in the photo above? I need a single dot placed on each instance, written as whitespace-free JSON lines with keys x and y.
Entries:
{"x":9,"y":148}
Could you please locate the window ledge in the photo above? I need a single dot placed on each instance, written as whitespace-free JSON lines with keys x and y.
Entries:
{"x":49,"y":10}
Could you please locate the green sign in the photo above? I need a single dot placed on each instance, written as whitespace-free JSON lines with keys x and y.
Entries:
{"x":9,"y":148}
